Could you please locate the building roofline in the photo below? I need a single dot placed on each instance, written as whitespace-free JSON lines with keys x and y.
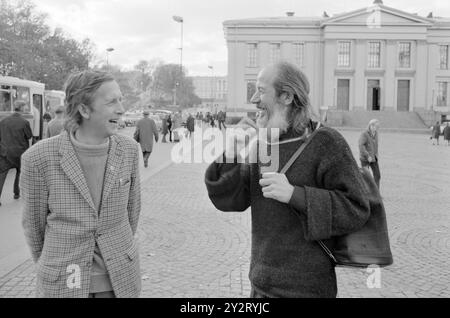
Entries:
{"x":274,"y":21}
{"x":334,"y":20}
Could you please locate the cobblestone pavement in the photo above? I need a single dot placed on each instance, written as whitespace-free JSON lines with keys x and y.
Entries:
{"x":189,"y":249}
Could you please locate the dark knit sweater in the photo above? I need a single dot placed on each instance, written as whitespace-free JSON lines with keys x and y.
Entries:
{"x":328,"y":201}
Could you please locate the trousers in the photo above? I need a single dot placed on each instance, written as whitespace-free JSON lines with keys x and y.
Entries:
{"x":146,"y":156}
{"x":375,"y":170}
{"x":3,"y":176}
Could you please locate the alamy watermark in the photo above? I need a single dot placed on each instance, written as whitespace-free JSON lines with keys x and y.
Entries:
{"x":374,"y":279}
{"x":74,"y":279}
{"x":234,"y":145}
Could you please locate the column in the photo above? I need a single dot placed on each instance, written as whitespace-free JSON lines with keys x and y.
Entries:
{"x":232,"y":75}
{"x":359,"y":81}
{"x":329,"y":65}
{"x":421,"y":79}
{"x":433,"y":66}
{"x":390,"y":82}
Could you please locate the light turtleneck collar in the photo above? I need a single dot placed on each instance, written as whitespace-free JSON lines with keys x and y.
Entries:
{"x":94,"y":150}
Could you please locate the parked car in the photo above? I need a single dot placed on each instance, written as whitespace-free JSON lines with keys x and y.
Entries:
{"x":121,"y":123}
{"x":131,"y":119}
{"x":161,"y":113}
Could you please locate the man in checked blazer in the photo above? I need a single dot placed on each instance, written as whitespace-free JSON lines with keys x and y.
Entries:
{"x":82,"y":198}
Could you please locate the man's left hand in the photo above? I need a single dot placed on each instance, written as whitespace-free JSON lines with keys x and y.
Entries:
{"x":277,"y":187}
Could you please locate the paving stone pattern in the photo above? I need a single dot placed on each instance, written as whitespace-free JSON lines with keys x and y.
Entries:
{"x":189,"y":249}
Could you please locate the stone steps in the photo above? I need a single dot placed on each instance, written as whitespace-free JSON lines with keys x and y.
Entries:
{"x":388,"y":120}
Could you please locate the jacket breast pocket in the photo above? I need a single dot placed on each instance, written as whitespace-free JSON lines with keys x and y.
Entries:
{"x":123,"y":182}
{"x":122,"y":189}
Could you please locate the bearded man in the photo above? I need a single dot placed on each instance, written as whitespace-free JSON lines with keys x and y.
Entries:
{"x":321,"y":195}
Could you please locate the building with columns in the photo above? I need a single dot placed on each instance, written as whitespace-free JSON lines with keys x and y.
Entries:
{"x":376,"y":58}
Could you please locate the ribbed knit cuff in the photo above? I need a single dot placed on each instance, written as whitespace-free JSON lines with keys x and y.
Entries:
{"x":298,"y":199}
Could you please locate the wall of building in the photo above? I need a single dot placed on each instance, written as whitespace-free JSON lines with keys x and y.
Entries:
{"x":212,"y":90}
{"x":321,"y":38}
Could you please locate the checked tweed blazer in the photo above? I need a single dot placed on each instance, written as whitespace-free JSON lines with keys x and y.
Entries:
{"x":62,"y":225}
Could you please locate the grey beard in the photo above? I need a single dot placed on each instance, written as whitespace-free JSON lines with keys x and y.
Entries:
{"x":278,"y":122}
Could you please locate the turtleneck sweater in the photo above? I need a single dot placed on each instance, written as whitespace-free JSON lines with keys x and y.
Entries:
{"x":92,"y":160}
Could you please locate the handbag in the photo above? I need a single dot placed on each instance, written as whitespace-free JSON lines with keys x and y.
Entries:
{"x":366,"y":246}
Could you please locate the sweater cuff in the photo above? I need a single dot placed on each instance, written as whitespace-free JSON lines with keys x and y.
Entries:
{"x":223,"y":177}
{"x":298,"y":199}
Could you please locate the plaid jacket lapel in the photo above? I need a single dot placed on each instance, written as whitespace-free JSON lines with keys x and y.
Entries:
{"x":113,"y":166}
{"x":72,"y":168}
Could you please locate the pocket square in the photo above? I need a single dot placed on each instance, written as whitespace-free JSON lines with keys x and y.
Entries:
{"x":124,"y":182}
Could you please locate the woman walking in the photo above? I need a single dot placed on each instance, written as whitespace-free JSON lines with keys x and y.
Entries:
{"x":436,"y":132}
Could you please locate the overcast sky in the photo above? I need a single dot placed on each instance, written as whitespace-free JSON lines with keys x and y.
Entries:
{"x":144,"y":29}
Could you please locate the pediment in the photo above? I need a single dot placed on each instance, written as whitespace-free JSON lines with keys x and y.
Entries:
{"x":379,"y":15}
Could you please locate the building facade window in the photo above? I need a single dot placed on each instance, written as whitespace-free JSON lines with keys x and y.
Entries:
{"x":374,"y":57}
{"x":442,"y":94}
{"x":275,"y":50}
{"x":443,"y":51}
{"x":251,"y":90}
{"x":252,"y":54}
{"x":344,"y":48}
{"x":404,"y":55}
{"x":299,"y":54}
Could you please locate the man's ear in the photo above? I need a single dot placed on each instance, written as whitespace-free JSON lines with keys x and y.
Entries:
{"x":287,"y":98}
{"x":84,"y":111}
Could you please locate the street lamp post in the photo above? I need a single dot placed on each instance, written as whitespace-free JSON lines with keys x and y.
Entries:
{"x":213,"y":90}
{"x":180,"y":20}
{"x":175,"y":93}
{"x":108,"y":50}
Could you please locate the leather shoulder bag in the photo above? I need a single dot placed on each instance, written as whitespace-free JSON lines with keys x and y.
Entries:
{"x":370,"y":244}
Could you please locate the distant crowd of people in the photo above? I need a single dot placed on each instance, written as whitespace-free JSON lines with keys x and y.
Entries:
{"x":212,"y":120}
{"x":436,"y":133}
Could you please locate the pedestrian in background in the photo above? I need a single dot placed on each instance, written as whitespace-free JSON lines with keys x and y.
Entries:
{"x":146,"y":131}
{"x":169,"y":127}
{"x":164,"y":128}
{"x":436,"y":132}
{"x":56,"y":125}
{"x":190,"y":125}
{"x":212,"y":121}
{"x":47,"y":118}
{"x":35,"y":128}
{"x":447,"y":134}
{"x":208,"y":118}
{"x":82,"y":198}
{"x":221,"y":117}
{"x":201,"y":119}
{"x":177,"y":121}
{"x":15,"y":135}
{"x":368,"y":150}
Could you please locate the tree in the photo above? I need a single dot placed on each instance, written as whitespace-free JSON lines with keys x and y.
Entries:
{"x":170,"y":83}
{"x":127,"y":83}
{"x":145,"y":75}
{"x":29,"y":50}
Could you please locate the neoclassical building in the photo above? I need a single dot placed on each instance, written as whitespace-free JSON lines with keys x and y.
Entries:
{"x":212,"y":90}
{"x":376,"y":58}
